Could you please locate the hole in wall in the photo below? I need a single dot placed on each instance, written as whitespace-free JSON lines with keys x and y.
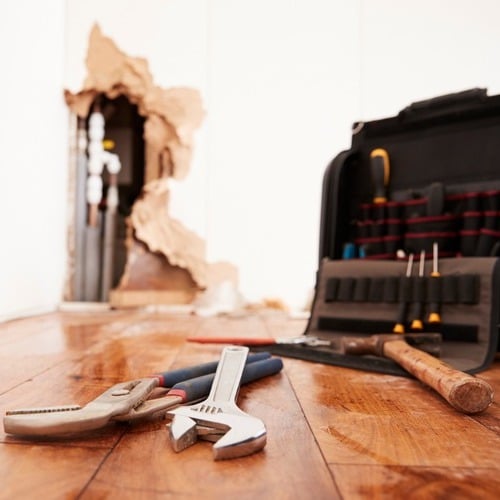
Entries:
{"x":156,"y":259}
{"x":123,"y":136}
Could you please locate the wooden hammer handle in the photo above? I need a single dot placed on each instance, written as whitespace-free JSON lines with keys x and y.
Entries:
{"x":463,"y":391}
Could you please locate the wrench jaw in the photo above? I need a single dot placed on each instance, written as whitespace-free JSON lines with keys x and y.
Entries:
{"x":235,"y":434}
{"x":242,"y":439}
{"x":241,"y":449}
{"x":183,"y":433}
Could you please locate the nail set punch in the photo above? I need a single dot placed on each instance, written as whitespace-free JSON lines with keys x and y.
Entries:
{"x":129,"y":401}
{"x":308,"y":341}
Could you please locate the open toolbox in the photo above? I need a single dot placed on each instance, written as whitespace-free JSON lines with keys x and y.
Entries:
{"x":410,"y":234}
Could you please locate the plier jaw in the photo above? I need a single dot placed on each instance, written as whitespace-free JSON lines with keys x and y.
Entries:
{"x":118,"y":400}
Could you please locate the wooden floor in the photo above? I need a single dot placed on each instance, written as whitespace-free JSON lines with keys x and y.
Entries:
{"x":332,"y":432}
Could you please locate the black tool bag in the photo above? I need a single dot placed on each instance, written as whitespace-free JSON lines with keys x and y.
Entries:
{"x":423,"y":185}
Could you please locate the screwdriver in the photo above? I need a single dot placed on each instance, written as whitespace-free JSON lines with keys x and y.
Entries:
{"x":418,"y":295}
{"x":404,"y":296}
{"x":380,"y":170}
{"x":435,"y":288}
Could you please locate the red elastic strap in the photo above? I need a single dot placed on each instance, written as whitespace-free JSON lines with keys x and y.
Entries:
{"x":178,"y":392}
{"x":161,"y":380}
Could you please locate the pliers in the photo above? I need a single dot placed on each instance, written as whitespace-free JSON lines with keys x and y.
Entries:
{"x":129,"y":401}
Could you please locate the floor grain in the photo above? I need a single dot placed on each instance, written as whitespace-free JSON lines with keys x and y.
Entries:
{"x":332,"y":432}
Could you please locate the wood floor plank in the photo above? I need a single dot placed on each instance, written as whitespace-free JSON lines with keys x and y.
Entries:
{"x":491,"y":417}
{"x":368,"y":418}
{"x":19,"y":372}
{"x":332,"y":432}
{"x":418,"y":483}
{"x":31,"y":470}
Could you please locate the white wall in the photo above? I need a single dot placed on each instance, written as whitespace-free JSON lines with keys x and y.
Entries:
{"x":277,"y":112}
{"x":33,"y":146}
{"x":280,"y":83}
{"x":281,"y":80}
{"x":414,"y":50}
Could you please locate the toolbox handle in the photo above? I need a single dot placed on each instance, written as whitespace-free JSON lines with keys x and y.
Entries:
{"x":445,"y":103}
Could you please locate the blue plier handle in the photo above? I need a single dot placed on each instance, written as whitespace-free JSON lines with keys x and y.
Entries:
{"x":173,"y":377}
{"x":129,"y":400}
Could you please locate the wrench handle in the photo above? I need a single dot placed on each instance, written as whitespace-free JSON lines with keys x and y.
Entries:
{"x":228,"y":375}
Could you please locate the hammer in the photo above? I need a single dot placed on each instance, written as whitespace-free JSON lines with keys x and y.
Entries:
{"x":463,"y":391}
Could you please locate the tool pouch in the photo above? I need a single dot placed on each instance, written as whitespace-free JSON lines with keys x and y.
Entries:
{"x":442,"y":191}
{"x":361,"y":297}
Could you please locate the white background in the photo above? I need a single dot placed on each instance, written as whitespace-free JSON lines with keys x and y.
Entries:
{"x":282,"y":81}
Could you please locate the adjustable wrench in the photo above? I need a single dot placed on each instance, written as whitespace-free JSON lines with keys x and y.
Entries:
{"x":241,"y":434}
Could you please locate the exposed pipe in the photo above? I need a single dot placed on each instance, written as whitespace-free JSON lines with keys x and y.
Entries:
{"x":94,"y":195}
{"x":113,"y":166}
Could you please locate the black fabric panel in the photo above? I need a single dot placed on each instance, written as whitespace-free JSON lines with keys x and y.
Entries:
{"x":370,"y":363}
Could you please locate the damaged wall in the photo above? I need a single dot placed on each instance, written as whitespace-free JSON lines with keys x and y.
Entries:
{"x":171,"y":117}
{"x":172,"y":114}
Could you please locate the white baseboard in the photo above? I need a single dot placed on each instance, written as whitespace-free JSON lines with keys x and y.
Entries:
{"x":26,"y":313}
{"x":84,"y":306}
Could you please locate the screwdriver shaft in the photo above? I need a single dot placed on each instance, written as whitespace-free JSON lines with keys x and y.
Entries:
{"x":404,"y":297}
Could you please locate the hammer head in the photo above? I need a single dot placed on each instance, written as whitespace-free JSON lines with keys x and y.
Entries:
{"x":241,"y":434}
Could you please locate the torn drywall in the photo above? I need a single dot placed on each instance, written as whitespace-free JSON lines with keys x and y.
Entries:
{"x":165,"y":235}
{"x":163,"y":254}
{"x":172,"y":115}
